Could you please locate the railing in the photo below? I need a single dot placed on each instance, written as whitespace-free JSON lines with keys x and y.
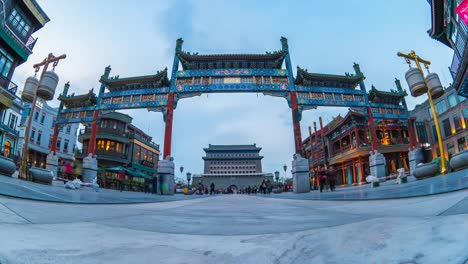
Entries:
{"x":149,"y":143}
{"x":104,"y":130}
{"x":8,"y":84}
{"x":9,"y":129}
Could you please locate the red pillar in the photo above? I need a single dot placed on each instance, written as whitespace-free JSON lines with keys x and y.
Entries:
{"x":92,"y":138}
{"x":168,"y":129}
{"x":311,"y":166}
{"x":361,"y":168}
{"x":358,"y":139}
{"x":323,"y":141}
{"x":53,"y":148}
{"x":372,"y":128}
{"x":411,"y":133}
{"x":296,"y":123}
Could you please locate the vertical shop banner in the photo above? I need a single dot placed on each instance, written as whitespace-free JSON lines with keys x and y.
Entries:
{"x":462,"y":11}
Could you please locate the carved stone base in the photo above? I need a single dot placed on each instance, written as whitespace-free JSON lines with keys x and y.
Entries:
{"x":377,"y":164}
{"x":90,"y":167}
{"x":459,"y":161}
{"x":166,"y":176}
{"x":300,"y":172}
{"x":52,"y":163}
{"x":415,"y":157}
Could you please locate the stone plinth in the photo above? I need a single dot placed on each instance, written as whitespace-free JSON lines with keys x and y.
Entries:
{"x":300,"y":172}
{"x":415,"y":157}
{"x":41,"y":175}
{"x":377,"y":164}
{"x":166,"y":176}
{"x":459,"y":161}
{"x":7,"y":166}
{"x":90,"y":167}
{"x":52,"y":163}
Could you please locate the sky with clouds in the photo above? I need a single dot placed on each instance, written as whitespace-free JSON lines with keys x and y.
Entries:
{"x":138,"y":38}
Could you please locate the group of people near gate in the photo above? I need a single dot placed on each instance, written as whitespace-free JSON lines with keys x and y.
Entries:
{"x":265,"y":187}
{"x":324,"y":178}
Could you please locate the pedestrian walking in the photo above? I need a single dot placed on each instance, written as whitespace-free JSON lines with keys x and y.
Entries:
{"x":154,"y":183}
{"x":331,"y":175}
{"x":121,"y":176}
{"x":68,"y":170}
{"x":212,"y":188}
{"x":322,"y":178}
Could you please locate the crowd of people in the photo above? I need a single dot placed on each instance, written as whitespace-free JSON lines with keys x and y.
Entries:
{"x":325,"y":178}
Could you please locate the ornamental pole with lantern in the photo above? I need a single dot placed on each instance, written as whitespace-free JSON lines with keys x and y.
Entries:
{"x":43,"y":88}
{"x":285,"y":167}
{"x":189,"y":176}
{"x":432,"y":86}
{"x":277,"y":176}
{"x":181,"y":171}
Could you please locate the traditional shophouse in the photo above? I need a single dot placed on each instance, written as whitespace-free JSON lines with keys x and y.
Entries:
{"x":347,"y":141}
{"x":119,"y":144}
{"x":19,"y":20}
{"x":40,"y":139}
{"x":452,"y":111}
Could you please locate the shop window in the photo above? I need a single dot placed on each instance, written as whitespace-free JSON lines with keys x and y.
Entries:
{"x":6,"y":61}
{"x":461,"y":142}
{"x":65,"y":145}
{"x":452,"y":99}
{"x":447,"y":128}
{"x":450,"y":149}
{"x":19,"y":24}
{"x":457,"y":122}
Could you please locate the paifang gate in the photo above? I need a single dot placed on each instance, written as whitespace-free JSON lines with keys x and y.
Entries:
{"x":225,"y":73}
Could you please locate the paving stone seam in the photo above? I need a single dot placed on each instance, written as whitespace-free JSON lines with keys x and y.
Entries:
{"x":13,"y":211}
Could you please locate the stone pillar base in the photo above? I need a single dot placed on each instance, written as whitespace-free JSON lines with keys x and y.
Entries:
{"x":52,"y":163}
{"x":90,"y":166}
{"x":377,"y":164}
{"x":415,"y":157}
{"x":166,"y":176}
{"x":300,"y":172}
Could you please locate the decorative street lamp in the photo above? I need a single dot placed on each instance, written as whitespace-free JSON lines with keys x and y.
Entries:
{"x":432,"y":86}
{"x":285,"y":167}
{"x":43,"y":88}
{"x":277,"y":176}
{"x":181,"y":171}
{"x":189,"y":176}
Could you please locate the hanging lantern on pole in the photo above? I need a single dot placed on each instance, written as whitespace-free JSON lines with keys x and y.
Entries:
{"x":435,"y":86}
{"x":415,"y":81}
{"x":48,"y":85}
{"x":30,"y":87}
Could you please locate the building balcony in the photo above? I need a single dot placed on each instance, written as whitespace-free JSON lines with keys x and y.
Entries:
{"x":143,"y":140}
{"x":104,"y":133}
{"x":21,"y":45}
{"x":348,"y":153}
{"x":9,"y":129}
{"x":8,"y":85}
{"x":107,"y":155}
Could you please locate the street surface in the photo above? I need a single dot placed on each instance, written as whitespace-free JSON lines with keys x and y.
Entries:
{"x":237,"y":229}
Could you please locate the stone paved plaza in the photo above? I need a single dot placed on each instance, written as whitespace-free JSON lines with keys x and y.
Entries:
{"x":238,"y":229}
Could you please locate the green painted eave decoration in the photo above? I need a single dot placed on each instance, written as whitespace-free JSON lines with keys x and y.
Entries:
{"x":13,"y":44}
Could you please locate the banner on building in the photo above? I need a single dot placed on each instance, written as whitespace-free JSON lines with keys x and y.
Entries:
{"x":462,"y":11}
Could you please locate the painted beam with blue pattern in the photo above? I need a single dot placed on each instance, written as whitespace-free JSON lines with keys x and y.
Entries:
{"x":231,"y":73}
{"x":163,"y":90}
{"x":231,"y":87}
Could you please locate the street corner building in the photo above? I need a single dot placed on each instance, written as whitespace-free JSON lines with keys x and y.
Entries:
{"x":19,"y":20}
{"x":232,"y":167}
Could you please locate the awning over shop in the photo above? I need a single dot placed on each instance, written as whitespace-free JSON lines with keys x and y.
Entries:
{"x":127,"y":171}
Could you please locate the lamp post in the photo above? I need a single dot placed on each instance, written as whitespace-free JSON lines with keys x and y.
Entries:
{"x":37,"y":83}
{"x":285,"y":167}
{"x":181,"y":171}
{"x":189,"y":176}
{"x":277,"y":176}
{"x":414,"y":81}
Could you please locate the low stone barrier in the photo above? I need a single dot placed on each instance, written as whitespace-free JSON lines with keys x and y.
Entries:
{"x":7,"y":166}
{"x":459,"y":161}
{"x":426,"y":170}
{"x":41,"y":175}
